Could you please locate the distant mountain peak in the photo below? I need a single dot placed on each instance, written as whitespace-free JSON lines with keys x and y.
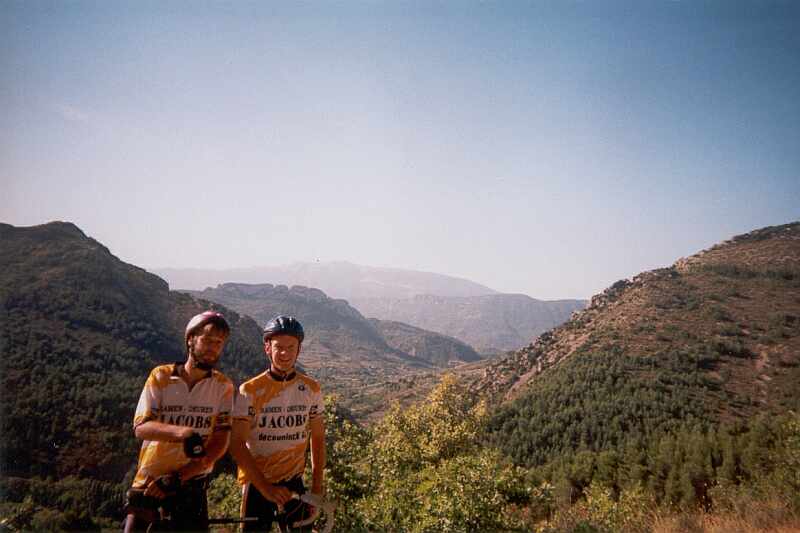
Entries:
{"x":54,"y":229}
{"x":339,"y":279}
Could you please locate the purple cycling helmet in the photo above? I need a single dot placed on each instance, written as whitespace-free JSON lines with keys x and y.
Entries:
{"x":206,"y":317}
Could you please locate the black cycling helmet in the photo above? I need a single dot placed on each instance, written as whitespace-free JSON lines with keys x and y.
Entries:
{"x":284,"y":325}
{"x":206,"y":317}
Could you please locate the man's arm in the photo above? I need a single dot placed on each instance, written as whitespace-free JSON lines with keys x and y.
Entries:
{"x":152,"y":430}
{"x":241,"y":454}
{"x":317,"y":426}
{"x":217,"y":444}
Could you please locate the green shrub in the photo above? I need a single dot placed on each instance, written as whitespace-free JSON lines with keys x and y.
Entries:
{"x":224,"y":497}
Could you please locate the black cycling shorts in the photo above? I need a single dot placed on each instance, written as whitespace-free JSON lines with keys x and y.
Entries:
{"x":255,"y":505}
{"x":187,"y":509}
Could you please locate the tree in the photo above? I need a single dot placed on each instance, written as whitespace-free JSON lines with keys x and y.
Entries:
{"x":428,"y":471}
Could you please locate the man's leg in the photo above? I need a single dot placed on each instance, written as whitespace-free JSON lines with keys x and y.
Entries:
{"x":255,"y":505}
{"x":140,"y":511}
{"x":132,"y":524}
{"x":190,"y":509}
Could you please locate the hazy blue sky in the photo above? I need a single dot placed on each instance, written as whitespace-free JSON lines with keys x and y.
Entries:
{"x":548,"y":148}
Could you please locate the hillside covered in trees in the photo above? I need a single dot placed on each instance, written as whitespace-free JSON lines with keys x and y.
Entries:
{"x":714,"y":338}
{"x":669,"y":404}
{"x":678,"y":380}
{"x":80,"y":332}
{"x":735,"y":304}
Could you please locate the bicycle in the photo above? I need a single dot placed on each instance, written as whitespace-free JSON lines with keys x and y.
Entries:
{"x":172,"y":514}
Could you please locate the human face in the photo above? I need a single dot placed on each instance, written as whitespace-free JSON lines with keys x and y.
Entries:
{"x":205,"y":347}
{"x":282,"y":350}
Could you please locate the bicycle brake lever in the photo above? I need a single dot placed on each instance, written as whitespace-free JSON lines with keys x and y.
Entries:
{"x":328,"y":508}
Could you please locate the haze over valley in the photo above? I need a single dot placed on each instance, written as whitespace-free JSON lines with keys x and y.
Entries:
{"x":488,"y":321}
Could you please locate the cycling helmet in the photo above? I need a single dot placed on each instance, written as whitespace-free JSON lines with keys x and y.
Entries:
{"x":206,"y":317}
{"x":284,"y":325}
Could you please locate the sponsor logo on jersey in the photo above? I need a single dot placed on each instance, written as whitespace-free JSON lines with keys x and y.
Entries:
{"x":291,"y":436}
{"x":282,"y":421}
{"x":192,"y":421}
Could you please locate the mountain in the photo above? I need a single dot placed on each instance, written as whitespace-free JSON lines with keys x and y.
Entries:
{"x":713,"y":339}
{"x":669,"y":390}
{"x":339,"y":279}
{"x":332,"y":325}
{"x":342,"y":348}
{"x":438,"y":349}
{"x":79,"y":333}
{"x":476,"y":315}
{"x":492,"y":323}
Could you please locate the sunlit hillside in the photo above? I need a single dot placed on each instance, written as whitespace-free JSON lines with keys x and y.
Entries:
{"x":669,"y":404}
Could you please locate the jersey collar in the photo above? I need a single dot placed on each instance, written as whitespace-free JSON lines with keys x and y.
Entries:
{"x":277,"y":377}
{"x":176,"y":370}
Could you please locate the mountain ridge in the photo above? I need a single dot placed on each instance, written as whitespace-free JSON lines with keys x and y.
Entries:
{"x":492,"y":323}
{"x":474,"y":314}
{"x":722,"y":288}
{"x":80,"y":331}
{"x":712,"y":339}
{"x":339,"y":279}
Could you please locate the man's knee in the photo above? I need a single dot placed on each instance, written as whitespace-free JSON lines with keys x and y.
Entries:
{"x":132,"y":523}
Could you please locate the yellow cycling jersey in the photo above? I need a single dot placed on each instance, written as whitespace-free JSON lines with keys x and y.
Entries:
{"x":278,"y":412}
{"x":167,"y":398}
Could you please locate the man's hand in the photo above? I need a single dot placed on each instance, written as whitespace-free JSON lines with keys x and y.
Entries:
{"x":161,"y":487}
{"x":277,"y":495}
{"x":154,"y":491}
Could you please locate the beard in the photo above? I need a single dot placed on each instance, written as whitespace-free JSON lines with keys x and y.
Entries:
{"x":203,"y":363}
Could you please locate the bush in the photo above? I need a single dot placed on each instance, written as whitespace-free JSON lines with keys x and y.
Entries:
{"x":600,"y":511}
{"x":224,"y":497}
{"x":732,"y":347}
{"x":427,"y":470}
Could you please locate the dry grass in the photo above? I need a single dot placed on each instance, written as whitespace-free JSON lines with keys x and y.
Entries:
{"x":768,"y":516}
{"x":719,"y":524}
{"x":740,"y":510}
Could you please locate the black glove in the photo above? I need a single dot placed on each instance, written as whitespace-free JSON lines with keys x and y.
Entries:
{"x":193,"y":446}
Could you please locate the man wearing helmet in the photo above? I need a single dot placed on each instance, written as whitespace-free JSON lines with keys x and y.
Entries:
{"x":276,"y":414}
{"x":183,"y":417}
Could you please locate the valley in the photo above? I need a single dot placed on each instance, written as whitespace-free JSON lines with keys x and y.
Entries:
{"x":702,"y":356}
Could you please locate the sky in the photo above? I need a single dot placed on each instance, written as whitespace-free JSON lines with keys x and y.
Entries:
{"x":547,"y":148}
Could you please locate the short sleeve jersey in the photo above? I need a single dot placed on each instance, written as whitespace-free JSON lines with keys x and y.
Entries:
{"x":279,"y":413}
{"x":167,"y":398}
